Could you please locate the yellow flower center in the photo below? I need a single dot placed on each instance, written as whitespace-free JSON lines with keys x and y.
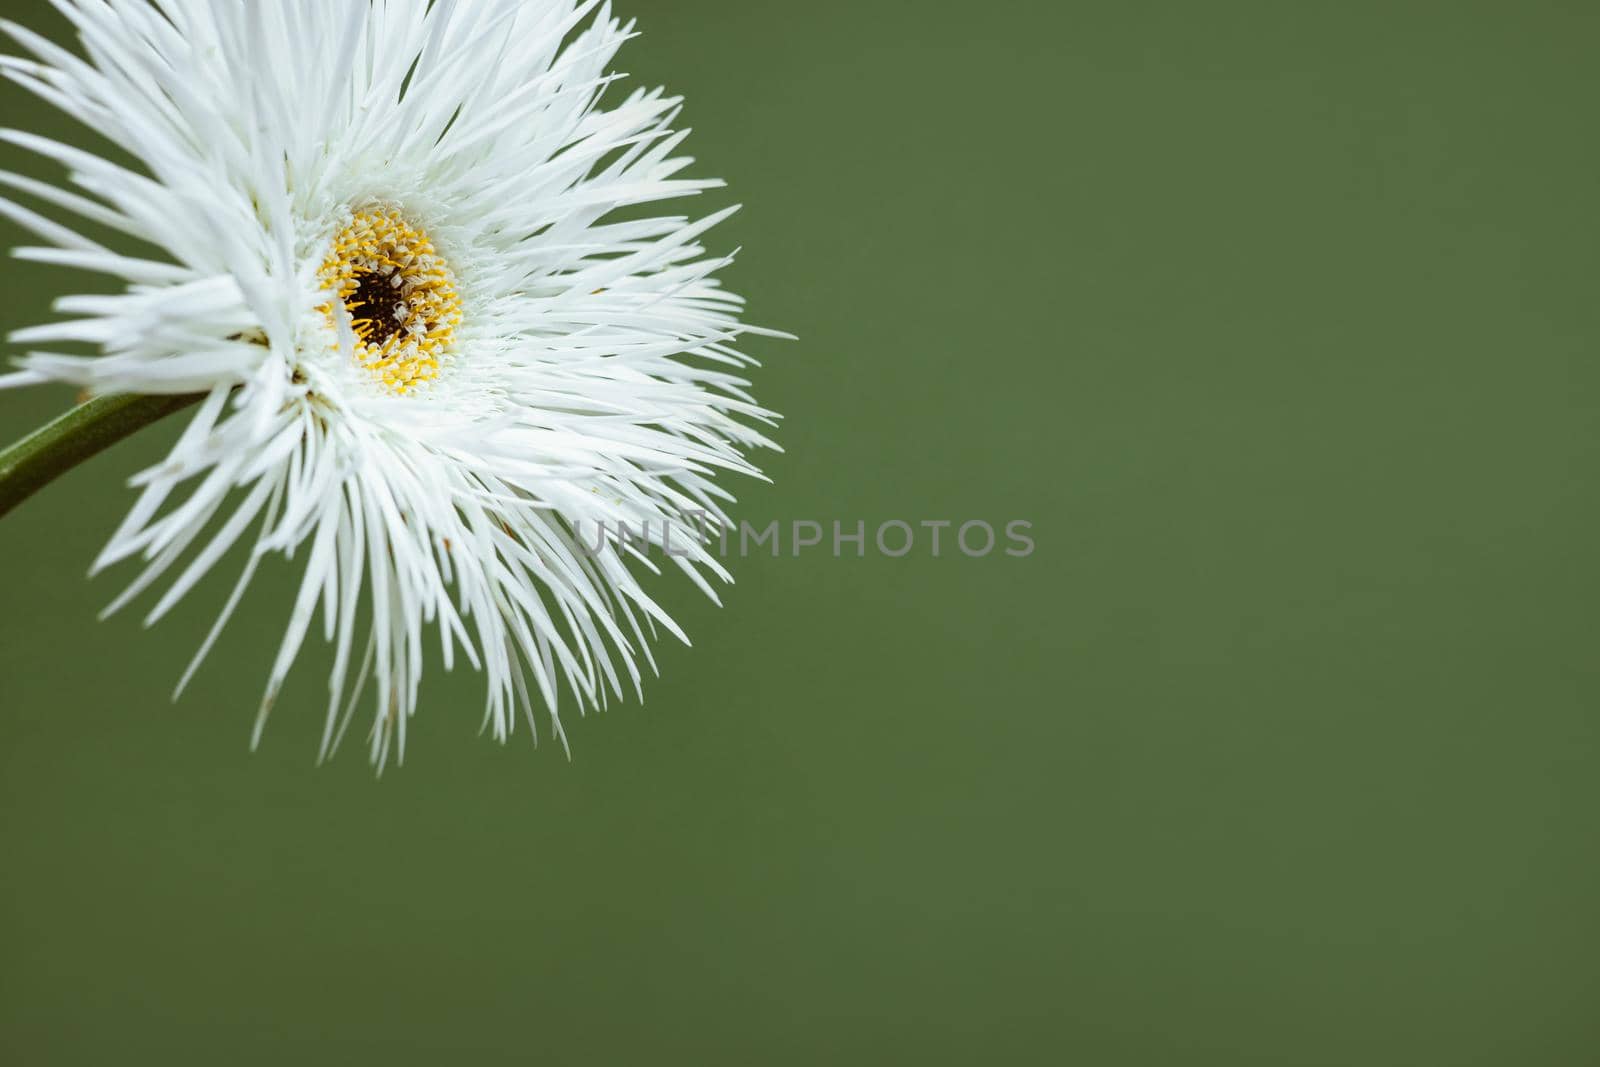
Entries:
{"x":400,"y":296}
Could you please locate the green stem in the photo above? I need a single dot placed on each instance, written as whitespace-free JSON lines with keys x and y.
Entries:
{"x":80,"y":434}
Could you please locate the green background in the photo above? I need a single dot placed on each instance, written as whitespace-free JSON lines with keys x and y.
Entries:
{"x":1279,"y":321}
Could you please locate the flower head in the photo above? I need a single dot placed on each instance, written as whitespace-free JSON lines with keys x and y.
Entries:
{"x":382,"y":238}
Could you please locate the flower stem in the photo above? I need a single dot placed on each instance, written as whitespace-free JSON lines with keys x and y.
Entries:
{"x":80,"y":434}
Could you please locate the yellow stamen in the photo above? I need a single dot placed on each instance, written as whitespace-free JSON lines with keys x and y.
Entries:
{"x":388,"y":270}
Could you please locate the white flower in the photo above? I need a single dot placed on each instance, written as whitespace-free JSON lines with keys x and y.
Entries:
{"x":378,"y":236}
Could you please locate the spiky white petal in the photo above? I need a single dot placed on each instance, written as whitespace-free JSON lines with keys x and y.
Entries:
{"x":593,"y":380}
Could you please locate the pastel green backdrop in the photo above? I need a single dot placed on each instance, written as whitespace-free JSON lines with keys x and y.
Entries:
{"x":1279,"y":323}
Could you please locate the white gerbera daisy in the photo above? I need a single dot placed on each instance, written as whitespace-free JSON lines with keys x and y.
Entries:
{"x":383,"y":249}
